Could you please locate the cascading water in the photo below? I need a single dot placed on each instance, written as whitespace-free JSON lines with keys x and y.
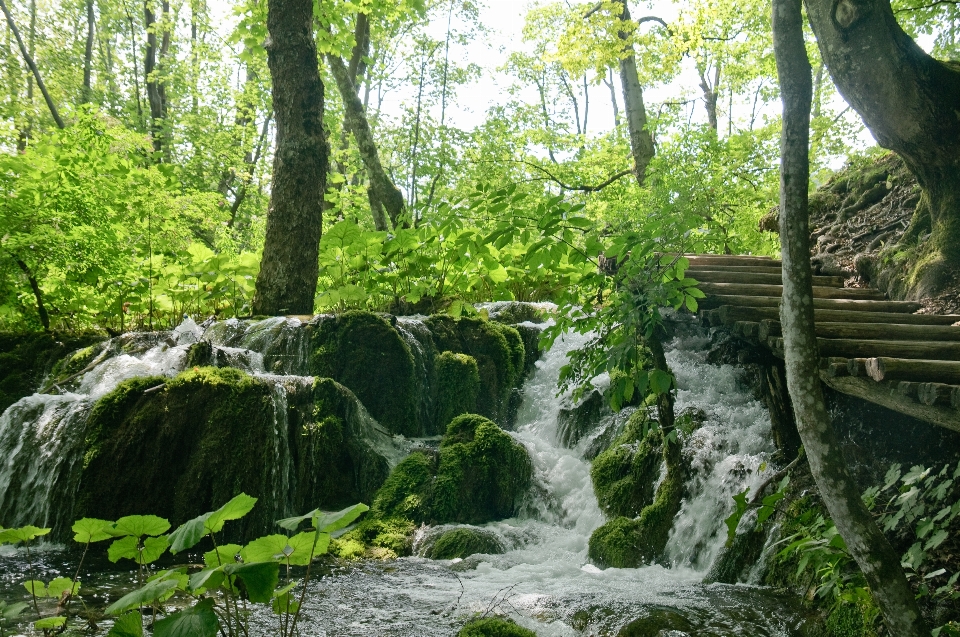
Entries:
{"x":544,"y":579}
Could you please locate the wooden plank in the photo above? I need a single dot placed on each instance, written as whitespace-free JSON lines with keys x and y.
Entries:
{"x":819,"y":292}
{"x":756,"y":269}
{"x":857,"y":366}
{"x":884,"y":394}
{"x":905,"y":307}
{"x":855,"y":348}
{"x":729,"y":314}
{"x":906,"y":389}
{"x":921,"y":371}
{"x":874,"y":331}
{"x":727,"y":276}
{"x":731,"y":259}
{"x":934,"y":393}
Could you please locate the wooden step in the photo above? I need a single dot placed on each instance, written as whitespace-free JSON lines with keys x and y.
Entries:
{"x":730,"y":259}
{"x":907,"y":307}
{"x":819,"y":292}
{"x":934,"y":370}
{"x":729,"y":314}
{"x":724,"y":276}
{"x":871,"y":331}
{"x":756,"y":269}
{"x":922,"y":350}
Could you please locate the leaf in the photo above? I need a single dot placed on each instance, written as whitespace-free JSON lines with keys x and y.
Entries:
{"x":190,"y":533}
{"x":199,"y":621}
{"x":226,"y":554}
{"x":22,"y":534}
{"x":61,"y":585}
{"x":36,"y":588}
{"x":235,"y":509}
{"x":140,"y":525}
{"x":91,"y":530}
{"x":127,"y":625}
{"x":936,"y":540}
{"x":49,"y":622}
{"x":326,"y":522}
{"x":264,"y":549}
{"x":151,"y":592}
{"x":11,"y":611}
{"x":259,"y":579}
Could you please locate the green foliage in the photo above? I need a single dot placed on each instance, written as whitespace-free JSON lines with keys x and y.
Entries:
{"x":494,"y":627}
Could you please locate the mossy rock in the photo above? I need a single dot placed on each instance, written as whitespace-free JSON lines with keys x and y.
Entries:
{"x":392,"y":535}
{"x":482,"y":475}
{"x":457,"y":379}
{"x":26,"y":358}
{"x":408,"y":490}
{"x":364,"y":352}
{"x":512,"y":312}
{"x":210,"y":434}
{"x":531,"y":346}
{"x":494,"y":627}
{"x":629,"y":543}
{"x":625,"y":475}
{"x":464,"y":542}
{"x":656,"y":622}
{"x":498,"y":350}
{"x":576,"y":421}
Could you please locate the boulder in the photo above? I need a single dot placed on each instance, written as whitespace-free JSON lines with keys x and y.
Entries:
{"x":462,"y":542}
{"x":494,"y":627}
{"x":625,"y":475}
{"x":457,"y":380}
{"x":576,"y":421}
{"x":658,"y":622}
{"x":26,"y":358}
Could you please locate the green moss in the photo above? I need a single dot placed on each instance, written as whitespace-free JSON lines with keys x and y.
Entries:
{"x":656,"y":622}
{"x":849,"y":620}
{"x":26,"y":358}
{"x":458,"y":385}
{"x":531,"y":346}
{"x":625,"y":475}
{"x":364,"y":352}
{"x":482,"y":475}
{"x":407,"y":492}
{"x":200,"y":354}
{"x":498,"y":350}
{"x":392,"y":534}
{"x":494,"y":627}
{"x":464,"y":542}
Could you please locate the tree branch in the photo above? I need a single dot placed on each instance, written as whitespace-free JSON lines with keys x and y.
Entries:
{"x":927,"y":6}
{"x":578,"y":188}
{"x":33,"y":67}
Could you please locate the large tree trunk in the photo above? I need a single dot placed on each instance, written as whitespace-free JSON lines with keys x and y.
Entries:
{"x":866,"y":543}
{"x":909,"y":101}
{"x":37,"y":294}
{"x":641,"y":142}
{"x":287,"y":282}
{"x":153,"y":59}
{"x":355,"y":120}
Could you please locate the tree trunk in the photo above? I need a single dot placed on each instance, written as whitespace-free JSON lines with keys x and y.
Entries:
{"x":32,"y":65}
{"x":710,"y":97}
{"x":37,"y":294}
{"x":88,"y":55}
{"x":641,"y":142}
{"x":909,"y":101}
{"x":287,"y":282}
{"x":355,"y":120}
{"x":868,"y":546}
{"x":613,"y":99}
{"x":156,"y":93}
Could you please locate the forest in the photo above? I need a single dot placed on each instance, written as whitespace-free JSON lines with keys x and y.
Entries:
{"x":564,"y":308}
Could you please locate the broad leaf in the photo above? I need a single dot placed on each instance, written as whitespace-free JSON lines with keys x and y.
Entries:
{"x":327,"y":522}
{"x":265,"y":549}
{"x":61,"y":585}
{"x":199,"y":621}
{"x":235,"y":509}
{"x":142,"y":596}
{"x":140,"y":525}
{"x":226,"y":554}
{"x":36,"y":588}
{"x":259,"y":579}
{"x":23,"y":534}
{"x":48,"y":623}
{"x":127,"y":625}
{"x":91,"y":530}
{"x":11,"y":611}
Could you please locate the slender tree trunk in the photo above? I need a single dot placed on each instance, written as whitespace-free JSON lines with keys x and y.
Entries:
{"x":356,"y":122}
{"x":33,"y":67}
{"x":573,"y":100}
{"x":136,"y":68}
{"x":152,"y":68}
{"x":287,"y":282}
{"x":546,"y":113}
{"x":88,"y":54}
{"x":641,"y":142}
{"x":613,"y":99}
{"x":252,"y":161}
{"x":866,"y":543}
{"x":710,"y":97}
{"x":37,"y":294}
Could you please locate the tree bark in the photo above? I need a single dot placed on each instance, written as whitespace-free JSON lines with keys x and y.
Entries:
{"x":355,"y":120}
{"x":877,"y":560}
{"x":156,"y":92}
{"x":710,"y":97}
{"x":907,"y":99}
{"x":613,"y":100}
{"x":641,"y":142}
{"x":287,"y":282}
{"x":88,"y":54}
{"x":37,"y":294}
{"x":33,"y":67}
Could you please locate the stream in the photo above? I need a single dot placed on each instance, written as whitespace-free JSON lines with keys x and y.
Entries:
{"x":543,"y":581}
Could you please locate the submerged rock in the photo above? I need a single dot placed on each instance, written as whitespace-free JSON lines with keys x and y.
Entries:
{"x":462,"y":542}
{"x":658,"y":622}
{"x":180,"y":447}
{"x":576,"y":421}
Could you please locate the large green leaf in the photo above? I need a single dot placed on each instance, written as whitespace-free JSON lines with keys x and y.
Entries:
{"x":127,"y":625}
{"x":140,"y":525}
{"x":226,"y":554}
{"x":259,"y":579}
{"x":11,"y":611}
{"x":48,"y":623}
{"x":327,"y":522}
{"x":142,"y":596}
{"x":61,"y":585}
{"x":23,"y":534}
{"x":190,"y":533}
{"x":129,"y":548}
{"x":91,"y":530}
{"x":265,"y":549}
{"x":199,"y":621}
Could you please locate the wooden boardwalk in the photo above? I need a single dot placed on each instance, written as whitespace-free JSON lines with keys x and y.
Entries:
{"x":878,"y":350}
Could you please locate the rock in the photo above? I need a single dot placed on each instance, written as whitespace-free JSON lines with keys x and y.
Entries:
{"x":499,"y":352}
{"x":212,"y":433}
{"x":770,"y":222}
{"x":625,"y":475}
{"x":494,"y":627}
{"x":530,"y":334}
{"x":26,"y":358}
{"x":658,"y":622}
{"x":479,"y":475}
{"x":463,"y":542}
{"x":457,"y":380}
{"x":381,"y":538}
{"x":512,"y":312}
{"x":366,"y":354}
{"x":574,"y":422}
{"x":734,"y":563}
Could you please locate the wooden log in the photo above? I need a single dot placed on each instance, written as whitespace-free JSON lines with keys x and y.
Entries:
{"x":934,"y":393}
{"x":917,"y":370}
{"x":727,"y":276}
{"x":855,"y":348}
{"x":730,"y":259}
{"x":756,"y":269}
{"x":857,"y":366}
{"x":730,"y":314}
{"x":906,"y":389}
{"x":955,"y":397}
{"x":819,"y":292}
{"x":875,"y":331}
{"x":885,"y":394}
{"x":714,"y":301}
